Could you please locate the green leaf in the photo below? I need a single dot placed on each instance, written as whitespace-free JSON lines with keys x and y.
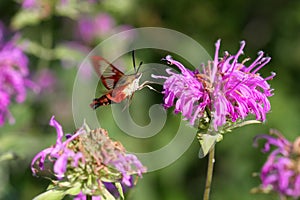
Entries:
{"x":11,"y":142}
{"x":73,"y":9}
{"x":25,"y":18}
{"x":8,"y":156}
{"x":50,"y":186}
{"x":69,"y":53}
{"x":51,"y":195}
{"x":244,"y":123}
{"x":120,"y":189}
{"x":207,"y":141}
{"x":74,"y":190}
{"x":38,"y":50}
{"x":67,"y":11}
{"x":229,"y":126}
{"x":107,"y":195}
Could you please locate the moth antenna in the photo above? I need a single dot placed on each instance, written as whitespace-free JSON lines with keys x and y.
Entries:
{"x":133,"y":61}
{"x":139,"y":66}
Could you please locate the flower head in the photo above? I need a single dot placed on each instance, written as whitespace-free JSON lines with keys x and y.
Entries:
{"x":27,"y":4}
{"x":90,"y":161}
{"x":45,"y":79}
{"x":91,"y":28}
{"x":226,"y":87}
{"x":281,"y":171}
{"x":13,"y":76}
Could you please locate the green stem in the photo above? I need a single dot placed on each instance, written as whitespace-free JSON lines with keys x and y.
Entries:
{"x":46,"y":42}
{"x":283,"y":197}
{"x":210,"y":167}
{"x":89,"y":197}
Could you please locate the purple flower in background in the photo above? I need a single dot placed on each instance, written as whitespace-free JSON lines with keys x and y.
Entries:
{"x":45,"y":79}
{"x":39,"y":9}
{"x":77,"y":53}
{"x":93,"y":27}
{"x":89,"y":160}
{"x":281,"y":171}
{"x":13,"y":76}
{"x":28,"y":4}
{"x":228,"y":88}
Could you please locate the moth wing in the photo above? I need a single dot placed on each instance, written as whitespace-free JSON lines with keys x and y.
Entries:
{"x":108,"y":73}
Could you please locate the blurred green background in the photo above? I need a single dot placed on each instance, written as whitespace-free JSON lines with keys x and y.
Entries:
{"x":271,"y":26}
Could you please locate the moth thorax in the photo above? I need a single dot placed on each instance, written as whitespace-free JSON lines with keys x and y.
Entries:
{"x":133,"y":86}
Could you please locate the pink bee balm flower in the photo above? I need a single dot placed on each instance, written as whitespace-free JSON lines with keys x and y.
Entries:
{"x":13,"y":76}
{"x":27,"y":4}
{"x":228,"y":88}
{"x":91,"y":28}
{"x":45,"y":79}
{"x":88,"y":160}
{"x":281,"y":172}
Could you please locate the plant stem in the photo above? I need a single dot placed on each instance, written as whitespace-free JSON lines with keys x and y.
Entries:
{"x":210,"y":167}
{"x":283,"y":197}
{"x":47,"y":44}
{"x":88,"y":197}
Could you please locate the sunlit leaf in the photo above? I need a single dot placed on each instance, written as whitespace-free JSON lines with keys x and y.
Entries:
{"x":66,"y":52}
{"x":74,"y":190}
{"x":120,"y":189}
{"x":107,"y":195}
{"x":8,"y":156}
{"x":73,"y":9}
{"x":207,"y":141}
{"x":51,"y":195}
{"x":67,"y":11}
{"x":25,"y":18}
{"x":38,"y":50}
{"x":12,"y":142}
